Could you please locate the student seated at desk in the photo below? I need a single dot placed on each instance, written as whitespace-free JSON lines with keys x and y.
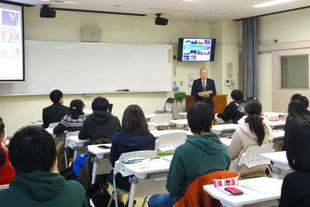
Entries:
{"x":74,"y":119}
{"x":304,"y":100}
{"x":32,"y":154}
{"x":101,"y":123}
{"x":201,"y":154}
{"x":7,"y":173}
{"x":296,"y":113}
{"x":296,"y":185}
{"x":134,"y":136}
{"x":56,"y":111}
{"x":254,"y":131}
{"x":235,"y":109}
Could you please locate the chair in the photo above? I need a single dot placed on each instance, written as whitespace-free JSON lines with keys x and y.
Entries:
{"x":167,"y":143}
{"x":161,"y":120}
{"x":143,"y":188}
{"x":195,"y":195}
{"x":252,"y":156}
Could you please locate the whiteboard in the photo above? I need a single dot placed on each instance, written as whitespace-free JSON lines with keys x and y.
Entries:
{"x":77,"y":67}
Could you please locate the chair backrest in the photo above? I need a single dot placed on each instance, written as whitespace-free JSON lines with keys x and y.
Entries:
{"x":161,"y":119}
{"x":171,"y":140}
{"x":195,"y":195}
{"x":53,"y":125}
{"x":252,"y":157}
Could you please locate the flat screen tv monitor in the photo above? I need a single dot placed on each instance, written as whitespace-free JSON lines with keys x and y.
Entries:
{"x":196,"y":49}
{"x":11,"y":43}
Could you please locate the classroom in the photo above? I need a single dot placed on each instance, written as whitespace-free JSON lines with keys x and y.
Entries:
{"x":280,"y":32}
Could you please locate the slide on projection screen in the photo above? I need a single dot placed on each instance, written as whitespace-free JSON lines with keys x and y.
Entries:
{"x":11,"y":43}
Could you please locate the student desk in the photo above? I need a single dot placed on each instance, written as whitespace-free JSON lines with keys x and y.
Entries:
{"x":154,"y":170}
{"x":280,"y":161}
{"x":157,"y":133}
{"x":50,"y":130}
{"x":37,"y":123}
{"x":102,"y":155}
{"x":183,"y":114}
{"x":180,"y":122}
{"x":221,"y":128}
{"x":75,"y":144}
{"x":265,"y":190}
{"x":276,"y":124}
{"x":149,"y":116}
{"x":277,"y":134}
{"x":225,"y":141}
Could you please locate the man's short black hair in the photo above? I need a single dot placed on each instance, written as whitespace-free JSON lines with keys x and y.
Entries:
{"x":200,"y":117}
{"x":100,"y":104}
{"x":298,"y":153}
{"x":56,"y":95}
{"x":32,"y":148}
{"x":237,"y":95}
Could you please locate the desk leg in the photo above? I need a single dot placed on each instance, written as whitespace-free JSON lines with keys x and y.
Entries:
{"x":75,"y":153}
{"x":94,"y":172}
{"x":132,"y":191}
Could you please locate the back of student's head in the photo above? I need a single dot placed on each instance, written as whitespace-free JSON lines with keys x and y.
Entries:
{"x":255,"y":121}
{"x":252,"y":98}
{"x":134,"y":120}
{"x":32,"y":148}
{"x":56,"y":95}
{"x":296,"y":96}
{"x":305,"y":101}
{"x":296,"y":109}
{"x":200,"y":117}
{"x":76,"y":108}
{"x":237,"y":95}
{"x":298,"y":145}
{"x":100,"y":104}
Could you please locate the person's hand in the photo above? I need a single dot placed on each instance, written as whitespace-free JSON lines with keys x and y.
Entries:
{"x":207,"y":96}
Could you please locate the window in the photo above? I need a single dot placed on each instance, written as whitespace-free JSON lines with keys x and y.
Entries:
{"x":294,"y":71}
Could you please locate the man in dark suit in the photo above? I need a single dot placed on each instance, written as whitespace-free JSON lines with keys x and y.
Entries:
{"x":204,"y":84}
{"x":56,"y":111}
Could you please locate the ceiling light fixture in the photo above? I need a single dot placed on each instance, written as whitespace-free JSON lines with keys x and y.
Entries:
{"x":271,"y":3}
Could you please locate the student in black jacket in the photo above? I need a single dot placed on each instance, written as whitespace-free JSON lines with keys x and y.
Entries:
{"x":101,"y":123}
{"x":56,"y":111}
{"x":296,"y":185}
{"x":134,"y":136}
{"x":235,"y":109}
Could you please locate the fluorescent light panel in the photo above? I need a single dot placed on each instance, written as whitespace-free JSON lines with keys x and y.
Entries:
{"x":271,"y":3}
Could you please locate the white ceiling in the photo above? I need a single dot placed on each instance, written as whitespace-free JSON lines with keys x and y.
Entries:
{"x":177,"y":9}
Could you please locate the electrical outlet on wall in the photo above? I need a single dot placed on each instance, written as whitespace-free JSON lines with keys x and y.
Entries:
{"x":174,"y":83}
{"x":181,"y":83}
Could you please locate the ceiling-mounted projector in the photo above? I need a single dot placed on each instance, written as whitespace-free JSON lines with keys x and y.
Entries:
{"x":47,"y":12}
{"x":160,"y":20}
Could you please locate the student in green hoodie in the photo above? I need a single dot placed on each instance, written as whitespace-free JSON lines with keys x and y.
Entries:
{"x":32,"y":154}
{"x":201,"y":154}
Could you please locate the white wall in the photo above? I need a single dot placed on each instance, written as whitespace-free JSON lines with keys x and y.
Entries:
{"x":285,"y":27}
{"x":20,"y":110}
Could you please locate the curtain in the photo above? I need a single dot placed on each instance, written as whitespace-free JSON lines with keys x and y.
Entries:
{"x":249,"y":57}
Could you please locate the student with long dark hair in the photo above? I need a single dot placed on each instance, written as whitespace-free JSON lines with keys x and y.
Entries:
{"x":296,"y":113}
{"x":296,"y":185}
{"x":74,"y":119}
{"x":134,"y":136}
{"x":253,"y":132}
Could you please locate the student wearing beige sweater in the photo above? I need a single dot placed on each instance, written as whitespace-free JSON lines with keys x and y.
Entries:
{"x":254,"y":131}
